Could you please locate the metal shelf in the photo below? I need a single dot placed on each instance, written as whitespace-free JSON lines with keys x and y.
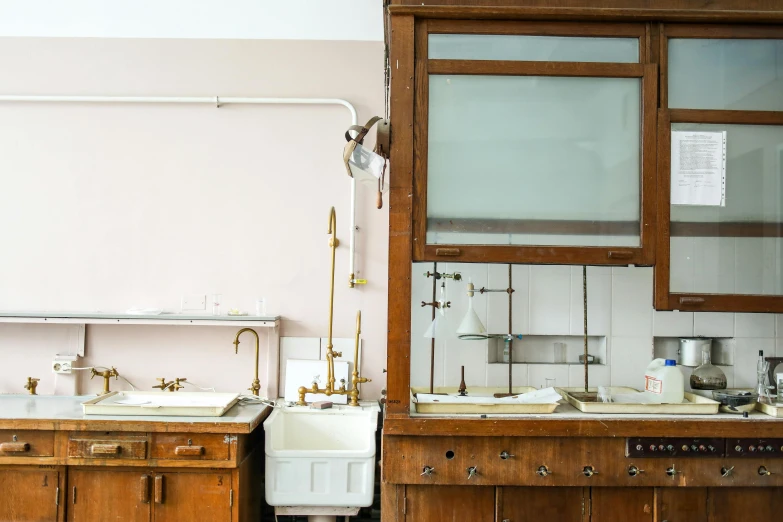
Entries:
{"x":162,"y":319}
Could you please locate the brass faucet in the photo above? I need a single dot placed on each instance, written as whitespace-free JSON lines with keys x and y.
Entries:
{"x":32,"y":384}
{"x":256,"y":386}
{"x":329,"y":388}
{"x":171,"y":386}
{"x":106,"y":374}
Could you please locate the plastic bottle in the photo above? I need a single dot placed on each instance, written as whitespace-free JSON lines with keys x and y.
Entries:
{"x":663,"y":382}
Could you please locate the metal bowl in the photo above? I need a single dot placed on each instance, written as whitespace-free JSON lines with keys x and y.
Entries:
{"x":735,"y":401}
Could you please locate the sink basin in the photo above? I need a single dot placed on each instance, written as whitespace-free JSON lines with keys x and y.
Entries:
{"x":321,"y":457}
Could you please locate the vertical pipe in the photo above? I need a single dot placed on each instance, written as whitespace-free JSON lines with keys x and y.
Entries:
{"x":510,"y":334}
{"x":432,"y":341}
{"x":584,"y":294}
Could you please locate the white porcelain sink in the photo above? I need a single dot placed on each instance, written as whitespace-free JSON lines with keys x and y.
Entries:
{"x":321,"y":457}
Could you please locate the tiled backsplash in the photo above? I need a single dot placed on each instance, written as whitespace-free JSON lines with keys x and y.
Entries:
{"x":548,"y":301}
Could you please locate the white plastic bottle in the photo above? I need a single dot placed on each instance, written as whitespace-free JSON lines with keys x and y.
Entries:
{"x":664,"y":382}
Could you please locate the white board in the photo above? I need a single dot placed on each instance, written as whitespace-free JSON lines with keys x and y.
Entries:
{"x":303,"y":373}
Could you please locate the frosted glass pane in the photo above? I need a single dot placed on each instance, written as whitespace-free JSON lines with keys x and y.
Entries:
{"x":726,"y":74}
{"x":533,"y":160}
{"x":533,"y":48}
{"x":736,"y":249}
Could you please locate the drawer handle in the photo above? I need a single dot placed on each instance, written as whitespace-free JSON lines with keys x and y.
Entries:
{"x":447,"y":252}
{"x":159,"y":489}
{"x":189,"y":451}
{"x":14,"y":447}
{"x":105,"y":449}
{"x":620,"y":254}
{"x":145,"y":489}
{"x":691,"y":300}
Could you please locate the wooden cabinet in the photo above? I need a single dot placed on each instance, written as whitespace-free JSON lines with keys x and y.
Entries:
{"x":121,"y":496}
{"x":733,"y":504}
{"x":428,"y":503}
{"x":192,"y":496}
{"x":532,"y":504}
{"x":30,"y":495}
{"x":621,"y":504}
{"x":682,"y":504}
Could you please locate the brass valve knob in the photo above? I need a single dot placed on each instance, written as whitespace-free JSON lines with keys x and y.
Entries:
{"x":543,"y":471}
{"x":725,"y":472}
{"x":505,"y":455}
{"x":427,"y":471}
{"x":634,"y":471}
{"x":671,"y":471}
{"x":764,"y":472}
{"x":588,"y":471}
{"x":472,"y":472}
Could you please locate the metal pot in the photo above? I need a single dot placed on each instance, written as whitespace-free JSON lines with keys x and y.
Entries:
{"x":690,"y":350}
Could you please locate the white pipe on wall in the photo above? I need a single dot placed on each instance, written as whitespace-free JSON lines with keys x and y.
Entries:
{"x":218,"y":101}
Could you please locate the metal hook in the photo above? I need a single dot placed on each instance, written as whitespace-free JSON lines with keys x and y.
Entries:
{"x":217,"y":102}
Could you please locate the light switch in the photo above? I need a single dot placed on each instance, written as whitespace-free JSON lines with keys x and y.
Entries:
{"x":194,"y":302}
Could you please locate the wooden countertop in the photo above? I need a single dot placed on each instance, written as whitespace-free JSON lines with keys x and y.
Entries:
{"x":26,"y":412}
{"x":567,"y":421}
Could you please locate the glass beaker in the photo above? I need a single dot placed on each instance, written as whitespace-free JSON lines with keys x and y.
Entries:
{"x":707,"y":376}
{"x":216,"y":298}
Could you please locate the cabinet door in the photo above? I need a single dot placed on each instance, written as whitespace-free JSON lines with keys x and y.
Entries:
{"x":533,"y":504}
{"x":120,"y":496}
{"x":733,"y":504}
{"x":192,"y":496}
{"x":28,"y":495}
{"x":449,"y":503}
{"x":682,"y":504}
{"x":621,"y":504}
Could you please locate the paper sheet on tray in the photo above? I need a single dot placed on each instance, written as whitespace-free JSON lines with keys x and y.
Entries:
{"x":605,"y":395}
{"x":544,"y":396}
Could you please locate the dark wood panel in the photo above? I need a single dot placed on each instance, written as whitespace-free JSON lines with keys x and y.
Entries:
{"x":736,"y":504}
{"x":449,"y":504}
{"x":193,"y":496}
{"x":557,"y":255}
{"x":723,"y":303}
{"x":534,"y":28}
{"x":535,"y":226}
{"x":121,"y":496}
{"x":682,"y":504}
{"x":400,"y":221}
{"x":662,"y":261}
{"x":541,"y":11}
{"x":621,"y":504}
{"x":722,"y":31}
{"x":520,"y":68}
{"x":726,"y":117}
{"x":679,"y":5}
{"x":649,"y":162}
{"x":733,"y":229}
{"x":29,"y":495}
{"x":420,"y":139}
{"x":531,"y":504}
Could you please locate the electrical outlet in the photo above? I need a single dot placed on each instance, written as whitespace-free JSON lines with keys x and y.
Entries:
{"x":63,"y":363}
{"x":194,"y":302}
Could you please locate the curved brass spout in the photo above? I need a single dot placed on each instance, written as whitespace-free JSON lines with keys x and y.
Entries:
{"x":330,"y":354}
{"x":256,"y":386}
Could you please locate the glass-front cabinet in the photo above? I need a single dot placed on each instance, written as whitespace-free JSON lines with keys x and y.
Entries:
{"x":534,"y":143}
{"x":720,"y":242}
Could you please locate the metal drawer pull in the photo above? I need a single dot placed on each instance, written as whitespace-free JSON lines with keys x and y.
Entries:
{"x":159,"y":489}
{"x":691,"y":300}
{"x":427,"y":471}
{"x":105,"y":449}
{"x":543,"y":471}
{"x":14,"y":447}
{"x":505,"y":455}
{"x":447,"y":251}
{"x":145,"y":489}
{"x":764,"y":472}
{"x":620,"y":254}
{"x":588,"y":471}
{"x":472,"y":472}
{"x":725,"y":472}
{"x":634,"y":471}
{"x":671,"y":471}
{"x":189,"y":451}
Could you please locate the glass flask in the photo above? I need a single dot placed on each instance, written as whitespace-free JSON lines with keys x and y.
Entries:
{"x":707,"y":376}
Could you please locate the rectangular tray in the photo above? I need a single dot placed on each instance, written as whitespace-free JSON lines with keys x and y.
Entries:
{"x":696,"y":404}
{"x":161,"y":404}
{"x":479,"y":408}
{"x":770,"y":409}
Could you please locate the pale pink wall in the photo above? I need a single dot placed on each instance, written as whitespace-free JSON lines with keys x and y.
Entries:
{"x":107,"y":207}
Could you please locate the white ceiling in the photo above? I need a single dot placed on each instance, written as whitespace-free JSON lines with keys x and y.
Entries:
{"x":235,"y":19}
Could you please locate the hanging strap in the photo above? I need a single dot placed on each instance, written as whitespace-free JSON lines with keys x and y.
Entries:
{"x":361,"y":131}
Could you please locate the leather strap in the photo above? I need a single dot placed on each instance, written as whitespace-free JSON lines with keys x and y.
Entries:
{"x":361,"y":131}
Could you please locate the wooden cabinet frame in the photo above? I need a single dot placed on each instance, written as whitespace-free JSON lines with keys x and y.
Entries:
{"x":645,"y":71}
{"x":664,"y":298}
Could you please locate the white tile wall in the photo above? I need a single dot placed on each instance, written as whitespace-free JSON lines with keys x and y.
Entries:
{"x":548,"y":301}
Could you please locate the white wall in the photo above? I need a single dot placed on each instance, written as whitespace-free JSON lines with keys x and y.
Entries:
{"x":234,"y":19}
{"x":548,"y":302}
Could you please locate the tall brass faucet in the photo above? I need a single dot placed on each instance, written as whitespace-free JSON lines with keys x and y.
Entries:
{"x":329,"y":388}
{"x":256,"y":386}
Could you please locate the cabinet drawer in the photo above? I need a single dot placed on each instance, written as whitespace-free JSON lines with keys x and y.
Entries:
{"x":26,"y":443}
{"x":107,"y":446}
{"x":189,"y":446}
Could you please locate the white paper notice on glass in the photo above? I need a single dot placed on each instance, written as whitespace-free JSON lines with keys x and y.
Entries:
{"x":698,"y":166}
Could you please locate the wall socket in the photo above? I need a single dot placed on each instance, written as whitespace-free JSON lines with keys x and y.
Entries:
{"x":63,"y":363}
{"x":193,"y":302}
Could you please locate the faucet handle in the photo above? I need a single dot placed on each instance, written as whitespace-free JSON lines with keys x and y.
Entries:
{"x":337,"y":354}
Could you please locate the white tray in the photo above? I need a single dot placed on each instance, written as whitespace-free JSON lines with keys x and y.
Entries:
{"x":473,"y":407}
{"x":693,"y":405}
{"x":152,"y":403}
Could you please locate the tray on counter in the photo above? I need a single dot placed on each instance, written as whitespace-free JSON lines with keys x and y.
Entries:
{"x":152,"y":403}
{"x":770,"y":409}
{"x":693,"y":405}
{"x":474,"y":407}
